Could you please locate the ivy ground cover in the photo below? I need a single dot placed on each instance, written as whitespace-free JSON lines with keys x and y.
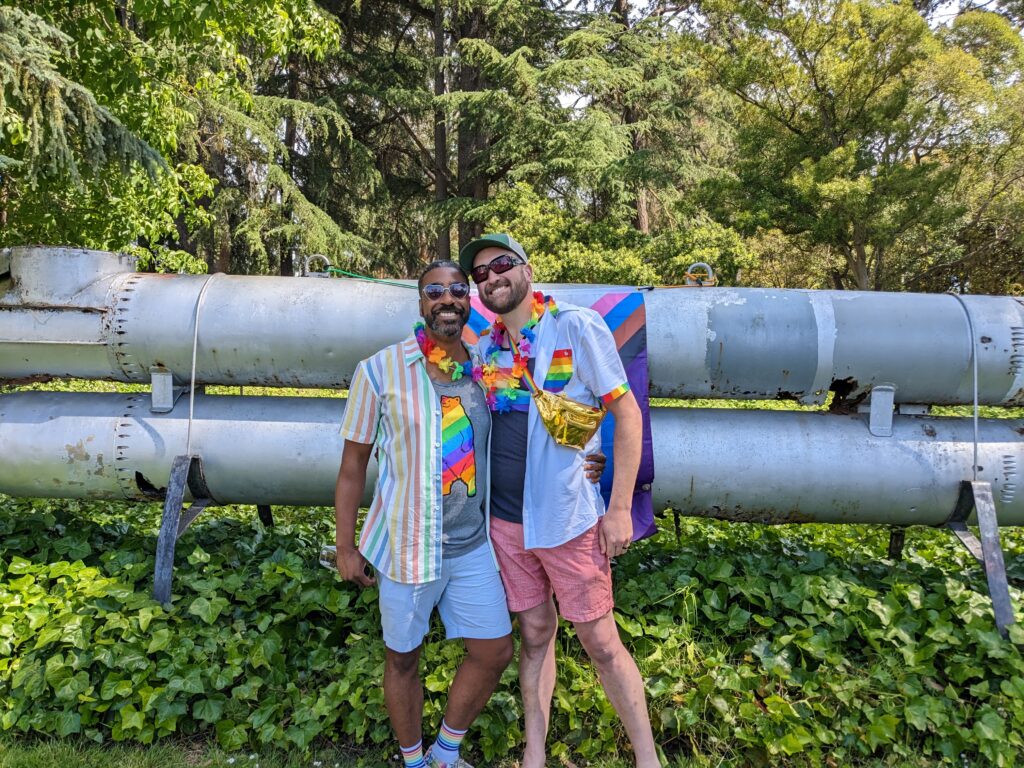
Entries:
{"x":791,"y":645}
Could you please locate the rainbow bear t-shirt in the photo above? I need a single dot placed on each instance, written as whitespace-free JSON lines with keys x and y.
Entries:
{"x":458,"y":457}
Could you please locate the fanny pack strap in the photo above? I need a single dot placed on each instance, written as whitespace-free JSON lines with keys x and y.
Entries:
{"x":531,"y":385}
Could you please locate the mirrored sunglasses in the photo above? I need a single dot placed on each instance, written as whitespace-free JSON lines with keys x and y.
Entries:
{"x":435,"y":291}
{"x":498,"y":265}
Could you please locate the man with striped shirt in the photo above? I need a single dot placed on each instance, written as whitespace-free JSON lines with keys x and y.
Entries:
{"x":425,"y":532}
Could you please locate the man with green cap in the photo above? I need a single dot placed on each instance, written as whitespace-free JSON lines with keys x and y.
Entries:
{"x":551,"y":532}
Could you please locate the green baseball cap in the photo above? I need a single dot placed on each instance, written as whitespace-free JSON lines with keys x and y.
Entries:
{"x":497,"y":240}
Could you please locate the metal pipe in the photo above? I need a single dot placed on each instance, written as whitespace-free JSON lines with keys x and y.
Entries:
{"x":757,"y":466}
{"x":86,"y":314}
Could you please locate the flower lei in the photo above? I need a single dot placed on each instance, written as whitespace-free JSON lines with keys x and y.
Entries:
{"x":501,"y":399}
{"x":442,"y":359}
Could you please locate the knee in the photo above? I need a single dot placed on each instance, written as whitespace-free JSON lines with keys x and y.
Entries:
{"x":402,"y":664}
{"x":536,"y":636}
{"x":503,"y":653}
{"x":491,"y":654}
{"x":603,"y":647}
{"x":603,"y":653}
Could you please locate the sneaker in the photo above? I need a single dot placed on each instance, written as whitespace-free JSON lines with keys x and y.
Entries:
{"x":432,"y":763}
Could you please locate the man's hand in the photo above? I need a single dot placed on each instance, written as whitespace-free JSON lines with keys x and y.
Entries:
{"x":353,"y":567}
{"x":593,"y":466}
{"x":616,"y":531}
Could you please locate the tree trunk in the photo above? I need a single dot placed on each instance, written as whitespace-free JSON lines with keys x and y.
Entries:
{"x":641,"y":214}
{"x":221,"y":230}
{"x":879,"y":253}
{"x":290,"y":135}
{"x":856,"y":260}
{"x":444,"y":245}
{"x":472,"y":140}
{"x":5,"y":196}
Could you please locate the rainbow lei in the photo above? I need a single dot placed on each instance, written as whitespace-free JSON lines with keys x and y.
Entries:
{"x":501,"y":399}
{"x":442,"y":359}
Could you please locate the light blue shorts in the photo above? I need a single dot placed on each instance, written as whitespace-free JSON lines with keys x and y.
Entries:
{"x":469,"y":597}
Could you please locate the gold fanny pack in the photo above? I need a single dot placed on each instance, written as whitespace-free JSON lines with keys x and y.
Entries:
{"x":568,"y":421}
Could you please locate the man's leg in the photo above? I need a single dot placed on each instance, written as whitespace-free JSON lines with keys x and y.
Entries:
{"x":476,"y":679}
{"x":621,"y":681}
{"x":403,"y":694}
{"x":405,"y":617}
{"x":473,"y":608}
{"x":537,"y":627}
{"x":529,"y":597}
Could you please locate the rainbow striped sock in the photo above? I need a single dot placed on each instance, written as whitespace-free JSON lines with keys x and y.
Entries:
{"x":413,"y":756}
{"x":449,"y":740}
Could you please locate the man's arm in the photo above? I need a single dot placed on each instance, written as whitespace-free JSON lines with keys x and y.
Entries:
{"x":348,"y":492}
{"x":617,"y":525}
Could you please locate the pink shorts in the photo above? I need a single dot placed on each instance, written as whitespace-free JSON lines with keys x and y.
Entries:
{"x":579,"y":574}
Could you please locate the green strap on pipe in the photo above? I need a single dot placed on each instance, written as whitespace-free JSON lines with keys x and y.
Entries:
{"x":336,"y":271}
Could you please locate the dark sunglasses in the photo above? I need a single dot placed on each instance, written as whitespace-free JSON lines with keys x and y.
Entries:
{"x":498,"y":266}
{"x":435,"y":291}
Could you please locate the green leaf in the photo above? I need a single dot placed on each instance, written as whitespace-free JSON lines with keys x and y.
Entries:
{"x":230,"y":735}
{"x":795,"y":741}
{"x":159,"y":640}
{"x":990,"y":726}
{"x":208,"y":609}
{"x":131,"y":719}
{"x":69,"y":722}
{"x":779,"y":708}
{"x":916,"y":713}
{"x":208,"y":710}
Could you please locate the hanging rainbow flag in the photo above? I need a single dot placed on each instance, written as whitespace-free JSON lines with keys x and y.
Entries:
{"x":625,"y":314}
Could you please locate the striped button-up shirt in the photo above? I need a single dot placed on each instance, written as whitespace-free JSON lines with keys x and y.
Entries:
{"x":392,"y":403}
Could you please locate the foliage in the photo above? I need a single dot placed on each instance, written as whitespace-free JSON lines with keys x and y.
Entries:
{"x":171,"y":84}
{"x":49,"y":124}
{"x":836,"y":144}
{"x":564,"y":248}
{"x":788,"y":643}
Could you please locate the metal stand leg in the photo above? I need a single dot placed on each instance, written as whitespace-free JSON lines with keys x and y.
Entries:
{"x":266,"y":515}
{"x":897,"y":537}
{"x":978,"y":495}
{"x":186,"y":472}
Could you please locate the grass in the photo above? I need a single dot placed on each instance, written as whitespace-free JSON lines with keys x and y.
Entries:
{"x":199,"y":753}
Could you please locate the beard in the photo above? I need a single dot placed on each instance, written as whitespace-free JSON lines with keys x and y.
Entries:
{"x":448,"y":327}
{"x":516,"y":293}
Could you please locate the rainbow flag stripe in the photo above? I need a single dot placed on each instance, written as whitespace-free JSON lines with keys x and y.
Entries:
{"x":616,"y":393}
{"x":560,"y":371}
{"x":458,"y":459}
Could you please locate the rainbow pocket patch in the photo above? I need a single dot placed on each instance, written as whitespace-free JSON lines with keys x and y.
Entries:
{"x":560,"y":371}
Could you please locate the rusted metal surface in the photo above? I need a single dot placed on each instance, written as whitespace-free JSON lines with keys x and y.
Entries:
{"x":751,"y":466}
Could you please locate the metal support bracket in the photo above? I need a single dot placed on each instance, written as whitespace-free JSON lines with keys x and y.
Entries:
{"x":186,"y":472}
{"x":266,"y":515}
{"x":164,"y":393}
{"x":880,"y":420}
{"x":977,"y":495}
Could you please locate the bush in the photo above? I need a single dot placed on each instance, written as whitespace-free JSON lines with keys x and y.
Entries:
{"x":759,"y":644}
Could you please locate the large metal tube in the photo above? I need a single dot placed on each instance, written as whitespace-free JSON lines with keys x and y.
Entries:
{"x":84,"y":313}
{"x":763,"y":466}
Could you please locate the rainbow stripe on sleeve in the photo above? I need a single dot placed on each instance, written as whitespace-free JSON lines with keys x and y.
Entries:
{"x":616,"y":393}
